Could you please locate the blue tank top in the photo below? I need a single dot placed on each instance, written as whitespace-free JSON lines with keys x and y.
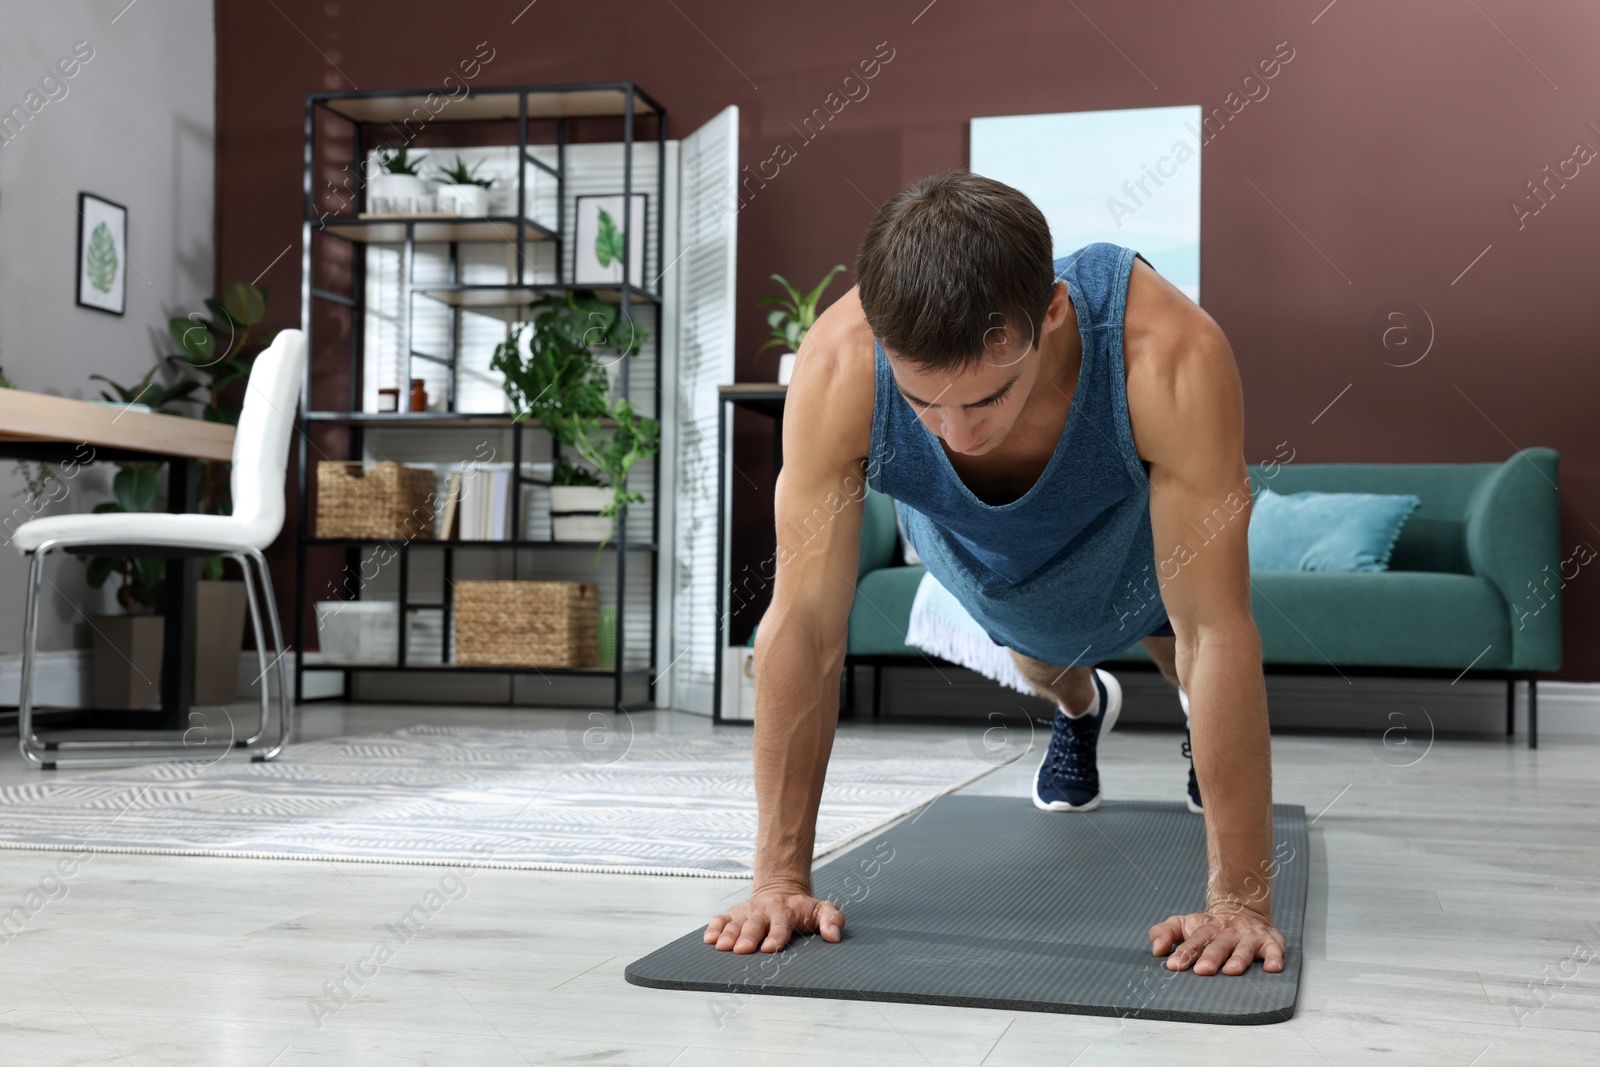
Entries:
{"x":1065,"y":572}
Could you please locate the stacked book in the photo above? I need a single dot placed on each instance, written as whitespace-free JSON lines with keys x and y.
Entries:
{"x":478,"y":502}
{"x":476,"y":505}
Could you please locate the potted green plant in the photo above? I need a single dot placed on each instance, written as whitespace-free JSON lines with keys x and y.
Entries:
{"x":562,"y":382}
{"x":795,"y":314}
{"x":578,"y":498}
{"x":221,"y":348}
{"x":462,"y":190}
{"x":397,"y":187}
{"x":126,"y":648}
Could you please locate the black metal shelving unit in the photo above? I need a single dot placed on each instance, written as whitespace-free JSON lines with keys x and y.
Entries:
{"x":555,"y":105}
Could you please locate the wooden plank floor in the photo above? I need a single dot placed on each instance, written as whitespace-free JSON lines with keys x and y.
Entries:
{"x":1453,"y":916}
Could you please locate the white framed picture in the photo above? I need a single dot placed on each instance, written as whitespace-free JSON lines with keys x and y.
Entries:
{"x":1129,"y":176}
{"x":598,"y":259}
{"x":102,"y":254}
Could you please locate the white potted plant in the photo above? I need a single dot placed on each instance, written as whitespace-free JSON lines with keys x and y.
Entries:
{"x":563,"y":384}
{"x":397,"y":188}
{"x":462,"y":191}
{"x":794,"y":316}
{"x":577,"y":498}
{"x":127,"y":647}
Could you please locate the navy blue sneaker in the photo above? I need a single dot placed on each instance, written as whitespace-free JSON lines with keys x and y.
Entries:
{"x":1194,"y":783}
{"x":1193,"y":798}
{"x":1068,"y":778}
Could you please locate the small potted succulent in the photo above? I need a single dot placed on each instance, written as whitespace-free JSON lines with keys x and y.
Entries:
{"x":397,"y":187}
{"x":461,"y":190}
{"x":796,"y":312}
{"x":563,"y":382}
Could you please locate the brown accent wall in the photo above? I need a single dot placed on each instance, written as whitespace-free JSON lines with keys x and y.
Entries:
{"x":1381,"y":164}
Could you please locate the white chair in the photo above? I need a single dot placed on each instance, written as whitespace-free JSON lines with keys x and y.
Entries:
{"x":260,"y":457}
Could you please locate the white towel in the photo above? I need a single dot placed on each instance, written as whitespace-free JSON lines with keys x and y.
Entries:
{"x":940,"y":625}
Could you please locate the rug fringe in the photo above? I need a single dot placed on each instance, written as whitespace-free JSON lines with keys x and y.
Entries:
{"x":940,"y":625}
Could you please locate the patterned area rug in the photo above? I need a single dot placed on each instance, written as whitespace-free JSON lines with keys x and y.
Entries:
{"x":581,"y":799}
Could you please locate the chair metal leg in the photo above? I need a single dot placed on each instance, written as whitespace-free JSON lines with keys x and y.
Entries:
{"x":27,"y":743}
{"x":1533,"y":710}
{"x":45,"y":754}
{"x":285,"y":702}
{"x":259,"y":636}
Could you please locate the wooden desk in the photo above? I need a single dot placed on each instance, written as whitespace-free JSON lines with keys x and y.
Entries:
{"x":61,"y":421}
{"x":37,"y":427}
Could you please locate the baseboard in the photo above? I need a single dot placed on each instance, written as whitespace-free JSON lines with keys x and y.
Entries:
{"x":63,"y":678}
{"x":1378,"y":705}
{"x":1360,"y":704}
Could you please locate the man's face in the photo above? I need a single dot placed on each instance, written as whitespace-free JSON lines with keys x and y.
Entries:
{"x":974,"y":410}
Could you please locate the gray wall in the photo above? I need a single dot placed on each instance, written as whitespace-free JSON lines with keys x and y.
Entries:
{"x":135,"y":124}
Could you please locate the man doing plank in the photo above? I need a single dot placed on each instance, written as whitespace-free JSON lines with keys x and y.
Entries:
{"x":1048,"y":430}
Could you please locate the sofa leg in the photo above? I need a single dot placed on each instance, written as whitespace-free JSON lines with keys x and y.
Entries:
{"x":849,"y":691}
{"x":1533,"y":711}
{"x":1511,"y":703}
{"x":877,"y":690}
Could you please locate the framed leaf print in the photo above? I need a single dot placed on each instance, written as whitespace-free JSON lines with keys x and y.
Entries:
{"x":102,"y":254}
{"x":598,"y":257}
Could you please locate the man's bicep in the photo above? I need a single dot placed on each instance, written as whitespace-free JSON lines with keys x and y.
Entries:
{"x":818,"y":512}
{"x":1202,"y":550}
{"x":1200,"y":493}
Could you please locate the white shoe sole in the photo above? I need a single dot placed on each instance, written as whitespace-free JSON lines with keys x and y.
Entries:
{"x":1183,"y":698}
{"x":1111,"y":711}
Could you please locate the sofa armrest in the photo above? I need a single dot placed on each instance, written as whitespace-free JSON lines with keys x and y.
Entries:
{"x":1514,"y":540}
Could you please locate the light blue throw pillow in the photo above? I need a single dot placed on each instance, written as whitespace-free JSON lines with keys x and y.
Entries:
{"x":1326,"y":531}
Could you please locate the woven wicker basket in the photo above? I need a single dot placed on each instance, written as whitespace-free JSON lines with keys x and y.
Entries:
{"x":383,"y":500}
{"x":527,"y":624}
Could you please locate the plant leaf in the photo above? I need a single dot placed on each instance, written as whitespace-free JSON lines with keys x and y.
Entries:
{"x":99,"y":570}
{"x":100,"y":261}
{"x":245,"y":303}
{"x":608,"y":241}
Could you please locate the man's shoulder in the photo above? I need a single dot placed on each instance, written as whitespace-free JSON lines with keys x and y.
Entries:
{"x":1162,"y":328}
{"x":834,"y":383}
{"x":1180,"y":370}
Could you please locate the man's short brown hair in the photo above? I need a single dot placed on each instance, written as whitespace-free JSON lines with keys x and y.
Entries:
{"x":947,"y":261}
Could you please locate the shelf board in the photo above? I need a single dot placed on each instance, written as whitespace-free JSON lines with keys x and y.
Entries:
{"x":412,"y":418}
{"x":510,"y":302}
{"x":434,"y":229}
{"x":421,"y":419}
{"x":589,"y":672}
{"x":421,"y":542}
{"x":576,"y":101}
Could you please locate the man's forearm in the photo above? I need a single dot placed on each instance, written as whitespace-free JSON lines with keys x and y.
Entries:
{"x":797,"y":710}
{"x":1231,"y":746}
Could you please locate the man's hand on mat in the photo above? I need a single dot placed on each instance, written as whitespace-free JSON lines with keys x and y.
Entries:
{"x":768,"y":919}
{"x":1227,"y":938}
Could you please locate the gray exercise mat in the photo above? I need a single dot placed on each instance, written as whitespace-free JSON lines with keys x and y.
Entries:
{"x":987,"y":902}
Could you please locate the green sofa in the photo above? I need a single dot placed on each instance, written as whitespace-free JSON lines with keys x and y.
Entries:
{"x":1472,"y":585}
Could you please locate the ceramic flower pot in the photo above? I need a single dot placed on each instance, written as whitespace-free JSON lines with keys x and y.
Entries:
{"x":126,"y":658}
{"x":575,"y":512}
{"x":219,"y":613}
{"x":469,"y":201}
{"x":398,"y":194}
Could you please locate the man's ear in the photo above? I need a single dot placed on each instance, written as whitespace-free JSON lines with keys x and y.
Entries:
{"x":1060,"y":305}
